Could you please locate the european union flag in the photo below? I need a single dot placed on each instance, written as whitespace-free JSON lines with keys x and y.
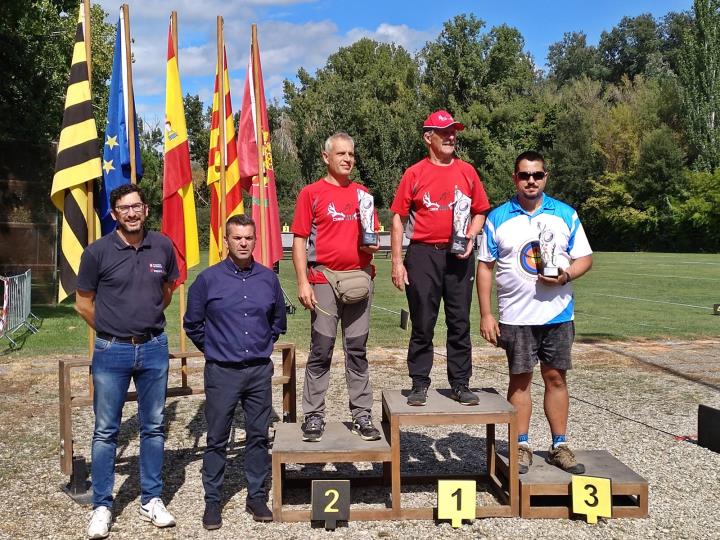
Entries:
{"x":116,"y":151}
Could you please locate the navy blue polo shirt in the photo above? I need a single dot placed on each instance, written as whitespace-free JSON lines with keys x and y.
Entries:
{"x":234,"y":315}
{"x":128,"y":282}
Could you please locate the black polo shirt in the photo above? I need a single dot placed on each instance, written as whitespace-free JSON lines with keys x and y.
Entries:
{"x":128,"y":282}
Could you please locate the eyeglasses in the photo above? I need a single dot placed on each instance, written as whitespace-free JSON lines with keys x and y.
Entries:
{"x":525,"y":175}
{"x":125,"y":208}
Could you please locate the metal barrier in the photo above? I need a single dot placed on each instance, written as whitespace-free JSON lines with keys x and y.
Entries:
{"x":16,"y":313}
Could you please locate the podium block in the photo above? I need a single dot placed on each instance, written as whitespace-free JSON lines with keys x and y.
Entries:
{"x":338,"y":445}
{"x":440,"y":410}
{"x":545,"y":489}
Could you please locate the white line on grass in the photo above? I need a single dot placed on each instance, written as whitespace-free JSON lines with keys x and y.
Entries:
{"x":624,"y":322}
{"x":651,"y":301}
{"x":694,"y":278}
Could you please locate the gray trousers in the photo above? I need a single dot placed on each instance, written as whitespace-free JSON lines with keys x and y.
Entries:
{"x":355,"y":323}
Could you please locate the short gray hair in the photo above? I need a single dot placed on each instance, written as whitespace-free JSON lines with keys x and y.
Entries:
{"x":327,"y":147}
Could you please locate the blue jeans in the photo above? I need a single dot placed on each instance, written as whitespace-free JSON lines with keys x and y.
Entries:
{"x":113,"y":365}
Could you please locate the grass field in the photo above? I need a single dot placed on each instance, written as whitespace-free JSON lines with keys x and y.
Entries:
{"x":625,"y":296}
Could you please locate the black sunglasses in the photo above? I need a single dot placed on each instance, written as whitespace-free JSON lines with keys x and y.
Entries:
{"x":536,"y":175}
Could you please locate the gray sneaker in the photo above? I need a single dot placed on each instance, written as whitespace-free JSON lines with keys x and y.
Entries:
{"x":417,"y":396}
{"x":525,"y":458}
{"x":313,"y":428}
{"x":562,"y":457}
{"x":364,"y":427}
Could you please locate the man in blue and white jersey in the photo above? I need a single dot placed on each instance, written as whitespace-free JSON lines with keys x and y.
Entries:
{"x":536,"y":312}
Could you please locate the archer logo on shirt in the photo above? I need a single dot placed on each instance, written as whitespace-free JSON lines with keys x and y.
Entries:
{"x":348,"y":214}
{"x":444,"y":203}
{"x":156,"y":268}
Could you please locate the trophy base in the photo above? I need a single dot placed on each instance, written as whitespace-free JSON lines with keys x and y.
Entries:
{"x":459,"y":244}
{"x":552,"y":271}
{"x":369,"y":239}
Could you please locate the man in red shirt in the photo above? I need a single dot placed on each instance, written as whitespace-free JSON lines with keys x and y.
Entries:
{"x":327,"y":236}
{"x":424,"y":209}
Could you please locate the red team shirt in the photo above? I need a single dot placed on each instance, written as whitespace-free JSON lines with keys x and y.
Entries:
{"x":327,"y":215}
{"x":425,"y":196}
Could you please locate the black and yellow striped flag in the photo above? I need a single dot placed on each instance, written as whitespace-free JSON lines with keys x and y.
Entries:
{"x":78,"y":162}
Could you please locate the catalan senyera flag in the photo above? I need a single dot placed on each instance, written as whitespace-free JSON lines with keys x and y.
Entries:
{"x":234,"y":203}
{"x":77,"y":163}
{"x":116,"y":150}
{"x":269,"y":230}
{"x":179,"y":221}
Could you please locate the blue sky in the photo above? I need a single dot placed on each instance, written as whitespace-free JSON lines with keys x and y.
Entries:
{"x":303,"y":33}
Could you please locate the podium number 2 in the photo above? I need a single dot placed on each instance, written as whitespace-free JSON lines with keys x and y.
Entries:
{"x":456,"y":501}
{"x":335,"y":495}
{"x":592,"y":496}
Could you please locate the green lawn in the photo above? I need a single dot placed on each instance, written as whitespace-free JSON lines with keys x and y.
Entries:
{"x":625,"y":296}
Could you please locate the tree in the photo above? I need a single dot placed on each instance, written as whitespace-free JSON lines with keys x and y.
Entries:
{"x":699,"y":76}
{"x":197,"y":119}
{"x":629,"y":47}
{"x":369,"y":90}
{"x":454,"y":64}
{"x":659,"y":174}
{"x":36,"y":41}
{"x":573,"y":58}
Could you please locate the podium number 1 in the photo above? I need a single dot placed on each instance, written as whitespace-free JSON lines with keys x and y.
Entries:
{"x":456,"y":501}
{"x":592,"y":496}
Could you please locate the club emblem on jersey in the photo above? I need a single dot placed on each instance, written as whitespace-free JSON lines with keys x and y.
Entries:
{"x":434,"y":206}
{"x":350,"y":214}
{"x":529,"y":258}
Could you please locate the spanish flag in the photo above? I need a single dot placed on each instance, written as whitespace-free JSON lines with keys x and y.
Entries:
{"x":234,"y":203}
{"x":77,"y":163}
{"x":179,"y":221}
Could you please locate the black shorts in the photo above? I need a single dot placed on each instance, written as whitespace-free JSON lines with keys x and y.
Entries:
{"x":550,"y":344}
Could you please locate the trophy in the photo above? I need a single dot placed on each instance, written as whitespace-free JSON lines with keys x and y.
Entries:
{"x":461,"y":219}
{"x":549,"y":267}
{"x":366,"y":204}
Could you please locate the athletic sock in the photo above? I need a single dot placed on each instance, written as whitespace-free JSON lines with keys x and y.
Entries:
{"x":523,"y":439}
{"x":557,"y":440}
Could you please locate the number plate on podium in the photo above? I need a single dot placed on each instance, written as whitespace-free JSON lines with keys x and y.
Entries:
{"x":330,"y":501}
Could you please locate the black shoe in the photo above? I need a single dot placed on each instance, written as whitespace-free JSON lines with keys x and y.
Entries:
{"x":363,"y":426}
{"x":212,"y":518}
{"x":313,"y":428}
{"x":259,"y":510}
{"x":461,"y":393}
{"x":417,"y":396}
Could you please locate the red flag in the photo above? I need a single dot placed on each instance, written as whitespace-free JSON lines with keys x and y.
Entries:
{"x":178,"y":219}
{"x":268,"y":232}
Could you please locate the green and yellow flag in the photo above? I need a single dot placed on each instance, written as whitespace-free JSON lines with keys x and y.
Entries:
{"x":77,"y":163}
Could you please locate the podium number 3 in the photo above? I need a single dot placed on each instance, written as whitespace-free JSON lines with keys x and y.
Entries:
{"x":592,"y":496}
{"x":335,"y":495}
{"x":593,"y":493}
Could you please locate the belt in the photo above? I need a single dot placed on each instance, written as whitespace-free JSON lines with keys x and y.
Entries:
{"x":439,"y":246}
{"x":132,"y":340}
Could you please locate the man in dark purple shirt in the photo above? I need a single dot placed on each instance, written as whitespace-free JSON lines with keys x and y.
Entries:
{"x":235,"y":312}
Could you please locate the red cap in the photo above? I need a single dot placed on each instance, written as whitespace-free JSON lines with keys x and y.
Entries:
{"x":440,"y":120}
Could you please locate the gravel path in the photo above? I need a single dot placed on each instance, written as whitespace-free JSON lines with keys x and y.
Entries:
{"x":632,"y":399}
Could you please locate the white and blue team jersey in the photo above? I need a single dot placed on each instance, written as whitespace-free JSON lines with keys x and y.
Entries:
{"x":511,"y":238}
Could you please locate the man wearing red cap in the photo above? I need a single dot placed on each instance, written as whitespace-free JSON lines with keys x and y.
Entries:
{"x":427,"y":207}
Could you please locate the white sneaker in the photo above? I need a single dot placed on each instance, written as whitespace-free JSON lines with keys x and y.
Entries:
{"x":100,"y":522}
{"x":156,"y":513}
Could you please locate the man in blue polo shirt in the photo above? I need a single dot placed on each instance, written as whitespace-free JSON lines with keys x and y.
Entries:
{"x":536,"y":312}
{"x":124,"y":285}
{"x":235,"y":312}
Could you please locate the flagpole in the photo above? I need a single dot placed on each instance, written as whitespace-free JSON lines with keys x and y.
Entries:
{"x":221,"y":126}
{"x":130,"y":111}
{"x":262,"y":181}
{"x":90,"y":186}
{"x":181,"y":288}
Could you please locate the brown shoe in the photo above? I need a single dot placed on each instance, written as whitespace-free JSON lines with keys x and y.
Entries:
{"x":563,"y":458}
{"x":525,"y":457}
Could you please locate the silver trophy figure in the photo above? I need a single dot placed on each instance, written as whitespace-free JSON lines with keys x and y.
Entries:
{"x":461,"y":220}
{"x":366,"y":204}
{"x":549,"y":267}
